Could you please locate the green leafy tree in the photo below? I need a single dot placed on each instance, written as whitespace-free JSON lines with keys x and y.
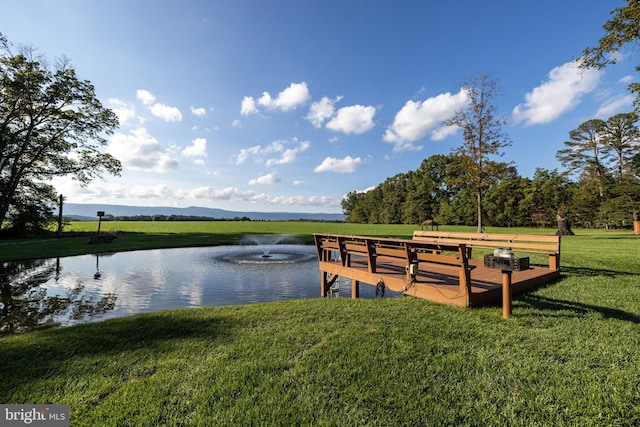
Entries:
{"x":31,"y":211}
{"x":393,"y":197}
{"x":622,"y":29}
{"x":549,"y":192}
{"x":621,"y":138}
{"x":460,"y":209}
{"x":503,"y":203}
{"x":51,"y":124}
{"x":585,"y":152}
{"x":428,"y":187}
{"x":483,"y":138}
{"x":350,"y":206}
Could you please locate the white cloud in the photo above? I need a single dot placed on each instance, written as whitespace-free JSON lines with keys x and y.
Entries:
{"x":268,"y":179}
{"x":560,"y":93}
{"x":200,"y":111}
{"x":125,"y":112}
{"x":287,"y":152}
{"x":266,"y":100}
{"x":245,"y":153}
{"x":295,"y":95}
{"x":415,"y":119}
{"x":443,"y":132}
{"x":305,"y":201}
{"x":139,"y":150}
{"x":298,"y":182}
{"x":159,"y":191}
{"x":198,"y":148}
{"x":615,"y":105}
{"x":321,"y":110}
{"x":626,"y":79}
{"x":346,"y":165}
{"x":145,"y":97}
{"x":289,"y":155}
{"x":212,"y":193}
{"x":353,"y":119}
{"x":166,"y":113}
{"x":248,"y":106}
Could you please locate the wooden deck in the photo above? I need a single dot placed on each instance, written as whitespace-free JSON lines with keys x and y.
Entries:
{"x":460,"y":281}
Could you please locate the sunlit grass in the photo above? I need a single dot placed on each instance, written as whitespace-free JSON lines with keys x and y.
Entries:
{"x":570,"y":355}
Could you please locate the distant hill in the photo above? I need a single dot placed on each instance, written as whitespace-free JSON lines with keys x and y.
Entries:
{"x":88,"y":212}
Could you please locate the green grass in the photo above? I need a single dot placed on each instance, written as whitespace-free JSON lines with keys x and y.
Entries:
{"x":569,"y":356}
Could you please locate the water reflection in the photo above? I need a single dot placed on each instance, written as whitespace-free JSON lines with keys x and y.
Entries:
{"x":26,"y":303}
{"x":78,"y":289}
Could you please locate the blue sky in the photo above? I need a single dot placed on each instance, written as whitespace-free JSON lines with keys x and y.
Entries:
{"x":255,"y":105}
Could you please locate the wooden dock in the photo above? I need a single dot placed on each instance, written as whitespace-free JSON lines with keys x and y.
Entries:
{"x":442,"y":272}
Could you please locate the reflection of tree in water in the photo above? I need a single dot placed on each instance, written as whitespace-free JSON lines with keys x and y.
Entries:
{"x":25,"y":305}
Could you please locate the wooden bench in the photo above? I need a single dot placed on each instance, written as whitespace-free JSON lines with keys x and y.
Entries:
{"x":376,"y":251}
{"x":520,"y":243}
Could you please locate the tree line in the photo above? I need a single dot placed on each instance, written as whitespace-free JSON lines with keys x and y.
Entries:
{"x":434,"y":191}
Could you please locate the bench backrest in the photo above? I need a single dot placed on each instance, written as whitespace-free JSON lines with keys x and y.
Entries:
{"x":409,"y":250}
{"x":528,"y":243}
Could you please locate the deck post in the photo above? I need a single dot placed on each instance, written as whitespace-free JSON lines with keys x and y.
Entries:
{"x":355,"y":289}
{"x":323,"y":284}
{"x":506,"y":294}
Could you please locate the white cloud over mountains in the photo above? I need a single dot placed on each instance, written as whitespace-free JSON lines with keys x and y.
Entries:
{"x":563,"y":90}
{"x":267,"y":179}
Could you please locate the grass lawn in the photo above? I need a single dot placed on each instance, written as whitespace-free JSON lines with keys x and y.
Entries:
{"x":569,"y":356}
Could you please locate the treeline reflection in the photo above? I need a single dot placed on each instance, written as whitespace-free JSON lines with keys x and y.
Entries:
{"x":25,"y":304}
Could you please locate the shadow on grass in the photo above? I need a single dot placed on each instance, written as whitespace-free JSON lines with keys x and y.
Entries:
{"x":590,"y":272}
{"x":38,"y":356}
{"x":566,"y":308}
{"x":559,"y":307}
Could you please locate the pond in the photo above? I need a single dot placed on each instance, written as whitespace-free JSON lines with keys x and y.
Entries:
{"x":66,"y":291}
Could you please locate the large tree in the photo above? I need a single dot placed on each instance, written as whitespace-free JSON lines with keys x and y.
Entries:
{"x":585,"y":152}
{"x":623,"y":28}
{"x":483,"y":138}
{"x":622,"y":139}
{"x":51,"y":124}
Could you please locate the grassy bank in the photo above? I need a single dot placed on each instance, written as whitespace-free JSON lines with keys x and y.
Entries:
{"x":135,"y":235}
{"x":570,"y":355}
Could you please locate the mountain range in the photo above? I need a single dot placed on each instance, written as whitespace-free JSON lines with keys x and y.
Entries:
{"x":88,"y":212}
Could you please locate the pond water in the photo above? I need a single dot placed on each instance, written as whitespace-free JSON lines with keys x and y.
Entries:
{"x":70,"y":290}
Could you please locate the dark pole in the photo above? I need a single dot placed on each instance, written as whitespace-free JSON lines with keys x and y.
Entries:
{"x":100,"y":215}
{"x":60,"y":215}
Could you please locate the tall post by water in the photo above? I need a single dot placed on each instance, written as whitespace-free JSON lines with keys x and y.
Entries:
{"x":60,"y":215}
{"x":100,"y":215}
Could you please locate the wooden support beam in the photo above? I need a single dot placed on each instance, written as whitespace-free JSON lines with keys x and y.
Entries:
{"x":506,"y":294}
{"x":355,"y":289}
{"x":371,"y":255}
